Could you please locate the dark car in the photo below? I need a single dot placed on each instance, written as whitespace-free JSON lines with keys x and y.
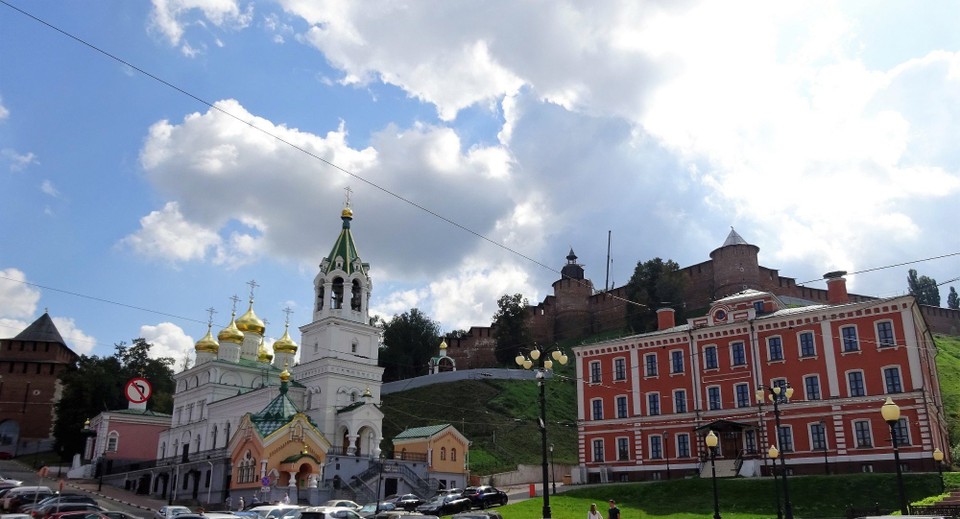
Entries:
{"x":485,"y":495}
{"x":371,"y":509}
{"x":479,"y":514}
{"x":51,"y":504}
{"x":26,"y":498}
{"x":59,"y":508}
{"x":445,"y":505}
{"x":116,"y":514}
{"x":408,"y":502}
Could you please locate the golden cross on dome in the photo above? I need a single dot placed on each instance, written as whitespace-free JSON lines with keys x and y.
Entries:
{"x":348,"y":192}
{"x":210,"y":312}
{"x":288,"y":311}
{"x":253,"y":284}
{"x":235,"y":300}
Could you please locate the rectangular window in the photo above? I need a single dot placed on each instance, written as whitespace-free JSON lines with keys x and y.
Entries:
{"x":595,"y":372}
{"x":653,"y":404}
{"x":785,"y":435}
{"x":621,"y":407}
{"x":818,"y":436}
{"x":710,"y":357}
{"x":775,"y":348}
{"x":676,"y":362}
{"x":598,"y":450}
{"x":891,"y":378}
{"x":623,"y":449}
{"x":861,"y":430}
{"x":744,"y":395}
{"x":811,"y":384}
{"x":885,"y":337}
{"x":597,"y":409}
{"x":738,"y":356}
{"x":620,"y":369}
{"x":656,"y":448}
{"x":903,"y":432}
{"x":807,"y":347}
{"x":850,"y":342}
{"x":750,"y":441}
{"x":650,"y":361}
{"x":680,"y":401}
{"x":713,"y":396}
{"x":112,"y":443}
{"x":855,"y":383}
{"x":683,"y":445}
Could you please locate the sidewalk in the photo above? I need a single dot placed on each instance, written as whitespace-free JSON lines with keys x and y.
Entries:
{"x":117,"y":495}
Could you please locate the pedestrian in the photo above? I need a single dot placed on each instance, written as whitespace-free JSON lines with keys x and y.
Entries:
{"x":613,"y":512}
{"x":286,"y":499}
{"x":229,"y":502}
{"x":594,"y":513}
{"x":241,"y":502}
{"x":200,"y":511}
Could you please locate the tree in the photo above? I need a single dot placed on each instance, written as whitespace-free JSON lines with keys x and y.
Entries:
{"x":924,"y":288}
{"x":409,"y":340}
{"x":953,"y":301}
{"x":510,"y":328}
{"x":655,"y":284}
{"x":96,"y":384}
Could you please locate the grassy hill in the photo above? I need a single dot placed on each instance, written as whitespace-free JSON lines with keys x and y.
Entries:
{"x":500,"y":417}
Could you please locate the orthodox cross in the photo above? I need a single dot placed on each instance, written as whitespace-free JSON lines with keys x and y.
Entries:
{"x":253,"y":284}
{"x":288,"y":311}
{"x":348,"y":192}
{"x":210,"y":312}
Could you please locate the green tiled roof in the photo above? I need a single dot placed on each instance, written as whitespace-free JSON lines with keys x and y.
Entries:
{"x":278,"y":413}
{"x":421,"y":432}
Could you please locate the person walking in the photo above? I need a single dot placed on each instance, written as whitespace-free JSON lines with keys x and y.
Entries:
{"x":613,"y":512}
{"x":229,"y":502}
{"x":594,"y":513}
{"x":241,"y":502}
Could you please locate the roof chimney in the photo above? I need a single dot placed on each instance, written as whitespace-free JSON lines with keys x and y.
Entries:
{"x":836,"y":287}
{"x":665,"y":318}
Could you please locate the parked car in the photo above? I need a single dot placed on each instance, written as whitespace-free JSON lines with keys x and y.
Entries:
{"x":78,"y":514}
{"x":479,"y":514}
{"x":273,"y":511}
{"x":403,"y":514}
{"x":116,"y":514}
{"x":345,"y":503}
{"x":408,"y":502}
{"x":167,"y":512}
{"x":58,"y":507}
{"x":485,"y":495}
{"x":449,"y":491}
{"x":369,"y":510}
{"x":9,"y":482}
{"x":328,"y":512}
{"x":19,"y":496}
{"x":43,"y":508}
{"x":445,"y":505}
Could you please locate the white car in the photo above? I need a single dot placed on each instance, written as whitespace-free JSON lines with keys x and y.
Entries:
{"x":273,"y":511}
{"x":167,"y":512}
{"x":343,"y":503}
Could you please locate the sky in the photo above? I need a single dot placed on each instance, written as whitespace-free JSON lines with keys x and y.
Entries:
{"x":157,"y":156}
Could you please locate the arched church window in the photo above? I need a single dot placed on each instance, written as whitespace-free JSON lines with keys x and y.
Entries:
{"x":443,"y":454}
{"x":453,"y":454}
{"x":112,"y":440}
{"x":336,"y":294}
{"x":353,"y":347}
{"x":320,"y":297}
{"x":355,"y":296}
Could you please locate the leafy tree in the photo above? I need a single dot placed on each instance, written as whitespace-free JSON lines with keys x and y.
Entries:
{"x":655,"y":284}
{"x":457,"y":334}
{"x":924,"y":288}
{"x":510,"y":327}
{"x":409,"y":340}
{"x":96,"y":384}
{"x":953,"y":300}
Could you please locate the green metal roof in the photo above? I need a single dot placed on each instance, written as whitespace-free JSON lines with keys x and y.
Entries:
{"x":279,"y":412}
{"x":345,"y":248}
{"x":421,"y":432}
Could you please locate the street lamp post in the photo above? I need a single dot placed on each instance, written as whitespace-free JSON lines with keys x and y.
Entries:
{"x":666,"y":453}
{"x":938,"y":458}
{"x":711,"y":440}
{"x":891,"y":414}
{"x":779,"y":395}
{"x":553,"y":472}
{"x":826,"y":460}
{"x":542,"y":362}
{"x":773,"y":453}
{"x":379,"y":485}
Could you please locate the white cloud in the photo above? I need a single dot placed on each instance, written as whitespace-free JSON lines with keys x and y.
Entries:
{"x":75,"y":338}
{"x":18,"y":161}
{"x":169,"y":17}
{"x":49,"y":189}
{"x":167,"y":235}
{"x":168,"y":340}
{"x":17,"y":299}
{"x":4,"y":113}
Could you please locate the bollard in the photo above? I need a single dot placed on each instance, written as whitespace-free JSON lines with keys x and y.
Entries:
{"x":533,"y":490}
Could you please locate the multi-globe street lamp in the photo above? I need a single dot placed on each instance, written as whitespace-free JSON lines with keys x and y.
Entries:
{"x":891,"y":414}
{"x":938,"y":458}
{"x":541,"y":362}
{"x":779,"y":395}
{"x":711,"y":440}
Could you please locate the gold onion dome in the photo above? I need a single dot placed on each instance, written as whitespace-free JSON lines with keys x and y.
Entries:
{"x":249,"y":322}
{"x":231,"y":333}
{"x":285,"y":344}
{"x":207,"y":344}
{"x":264,"y":355}
{"x":346,"y":213}
{"x":284,"y":375}
{"x":443,"y":344}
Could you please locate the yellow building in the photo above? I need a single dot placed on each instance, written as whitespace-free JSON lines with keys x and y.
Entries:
{"x":442,"y":447}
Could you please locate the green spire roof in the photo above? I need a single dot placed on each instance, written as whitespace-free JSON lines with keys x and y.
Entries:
{"x":279,"y":412}
{"x":346,"y":249}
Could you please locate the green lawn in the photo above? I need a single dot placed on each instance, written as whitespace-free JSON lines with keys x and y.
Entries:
{"x":740,"y":498}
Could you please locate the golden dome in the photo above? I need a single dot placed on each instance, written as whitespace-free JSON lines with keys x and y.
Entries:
{"x":284,"y":375}
{"x":207,"y":344}
{"x":346,"y":213}
{"x":443,"y":344}
{"x":263,"y":355}
{"x":231,"y":333}
{"x":285,"y":344}
{"x":249,"y":322}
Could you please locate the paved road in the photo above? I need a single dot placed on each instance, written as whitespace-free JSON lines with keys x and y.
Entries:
{"x":108,"y":497}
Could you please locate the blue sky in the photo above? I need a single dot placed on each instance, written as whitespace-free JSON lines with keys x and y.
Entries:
{"x":823,"y":132}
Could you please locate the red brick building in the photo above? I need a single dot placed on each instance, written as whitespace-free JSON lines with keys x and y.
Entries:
{"x":646,"y":402}
{"x":575,"y":311}
{"x":30,"y":365}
